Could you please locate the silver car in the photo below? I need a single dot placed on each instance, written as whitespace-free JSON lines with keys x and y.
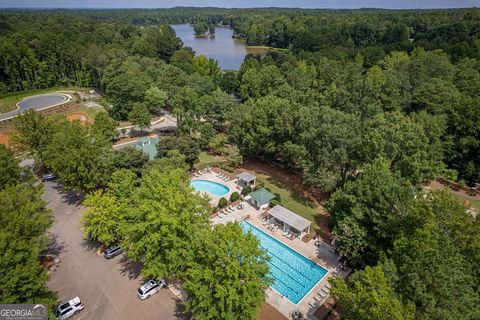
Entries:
{"x":70,"y":308}
{"x":150,"y":288}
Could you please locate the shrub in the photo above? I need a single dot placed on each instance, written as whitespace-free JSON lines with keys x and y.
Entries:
{"x":277,"y":197}
{"x":274,"y":202}
{"x":246,"y":190}
{"x":227,"y":168}
{"x":234,"y":196}
{"x":222,"y":203}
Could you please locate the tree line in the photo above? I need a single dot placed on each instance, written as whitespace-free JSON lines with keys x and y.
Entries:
{"x":25,"y":219}
{"x":366,"y":118}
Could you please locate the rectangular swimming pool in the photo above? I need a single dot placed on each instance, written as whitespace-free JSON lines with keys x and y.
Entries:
{"x":294,"y":275}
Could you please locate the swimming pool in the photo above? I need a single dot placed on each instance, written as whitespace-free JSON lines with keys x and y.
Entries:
{"x":294,"y":275}
{"x":215,"y":188}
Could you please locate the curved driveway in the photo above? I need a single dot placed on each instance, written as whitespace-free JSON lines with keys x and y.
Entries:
{"x":38,"y":102}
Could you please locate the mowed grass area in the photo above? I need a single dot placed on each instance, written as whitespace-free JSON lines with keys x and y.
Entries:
{"x":204,"y":159}
{"x":474,"y":203}
{"x":289,"y":198}
{"x":8,"y":101}
{"x":295,"y":196}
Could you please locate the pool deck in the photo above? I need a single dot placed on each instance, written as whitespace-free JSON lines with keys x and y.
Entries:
{"x":212,"y":176}
{"x":324,"y":255}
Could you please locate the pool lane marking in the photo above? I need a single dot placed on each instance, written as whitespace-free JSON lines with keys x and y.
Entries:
{"x":311,"y":264}
{"x":254,"y":228}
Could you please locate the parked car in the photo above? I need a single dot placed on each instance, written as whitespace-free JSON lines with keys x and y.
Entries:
{"x":70,"y":308}
{"x":48,"y":177}
{"x":150,"y":288}
{"x":112,"y":251}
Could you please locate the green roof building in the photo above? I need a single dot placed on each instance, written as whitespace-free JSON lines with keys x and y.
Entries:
{"x":261,"y":198}
{"x":148,"y":145}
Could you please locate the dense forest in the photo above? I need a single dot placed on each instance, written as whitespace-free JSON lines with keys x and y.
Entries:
{"x":366,"y":105}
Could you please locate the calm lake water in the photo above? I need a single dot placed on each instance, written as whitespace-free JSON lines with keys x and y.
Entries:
{"x":229,"y":52}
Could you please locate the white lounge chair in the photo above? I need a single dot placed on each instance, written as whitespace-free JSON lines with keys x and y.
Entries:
{"x":326,"y":290}
{"x":220,"y":214}
{"x":196,"y":174}
{"x":314,"y":304}
{"x":322,"y":294}
{"x":318,"y":298}
{"x":328,"y":285}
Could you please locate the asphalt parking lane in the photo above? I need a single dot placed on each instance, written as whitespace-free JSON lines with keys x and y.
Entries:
{"x":107,"y":288}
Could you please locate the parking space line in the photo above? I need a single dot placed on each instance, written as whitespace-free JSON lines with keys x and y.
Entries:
{"x":83,"y":315}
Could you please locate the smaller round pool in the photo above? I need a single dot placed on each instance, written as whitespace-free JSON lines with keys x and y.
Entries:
{"x":215,"y":188}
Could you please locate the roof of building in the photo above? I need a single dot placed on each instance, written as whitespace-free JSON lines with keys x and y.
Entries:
{"x":262,"y":196}
{"x":246,"y":176}
{"x":289,"y":217}
{"x":150,"y":149}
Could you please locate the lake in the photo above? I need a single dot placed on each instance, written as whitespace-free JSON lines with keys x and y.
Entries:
{"x":229,"y":52}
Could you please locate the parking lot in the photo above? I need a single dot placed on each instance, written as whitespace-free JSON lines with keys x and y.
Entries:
{"x":107,"y":288}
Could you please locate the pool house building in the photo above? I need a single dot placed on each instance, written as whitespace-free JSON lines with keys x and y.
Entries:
{"x":246,"y":179}
{"x":260,"y":198}
{"x":289,"y":219}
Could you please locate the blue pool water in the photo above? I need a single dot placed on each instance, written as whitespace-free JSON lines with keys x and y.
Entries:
{"x":217,"y":189}
{"x":293,"y":274}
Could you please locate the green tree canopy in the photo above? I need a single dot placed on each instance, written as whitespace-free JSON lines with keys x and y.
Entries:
{"x":24,"y":219}
{"x":229,"y":276}
{"x":185,"y":144}
{"x":368,"y":211}
{"x":405,"y":143}
{"x":163,"y":224}
{"x":80,"y":159}
{"x":129,"y":158}
{"x":104,"y":126}
{"x":34,"y":132}
{"x":370,"y":296}
{"x":155,"y":99}
{"x":140,"y":116}
{"x":9,"y":170}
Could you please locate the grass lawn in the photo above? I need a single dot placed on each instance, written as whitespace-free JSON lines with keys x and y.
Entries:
{"x":290,"y":199}
{"x":295,"y":196}
{"x":204,"y":159}
{"x":474,"y":203}
{"x":8,"y":101}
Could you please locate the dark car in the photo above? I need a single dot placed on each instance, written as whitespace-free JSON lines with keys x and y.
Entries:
{"x":112,"y":251}
{"x":48,"y":177}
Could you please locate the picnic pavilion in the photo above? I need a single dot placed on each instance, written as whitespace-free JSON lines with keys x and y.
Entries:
{"x":289,"y":219}
{"x":245,"y":178}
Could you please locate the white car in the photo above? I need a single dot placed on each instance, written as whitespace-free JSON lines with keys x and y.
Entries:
{"x":70,"y":308}
{"x":150,"y":288}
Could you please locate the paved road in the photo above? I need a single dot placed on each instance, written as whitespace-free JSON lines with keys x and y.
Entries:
{"x":37,"y":102}
{"x":106,"y":287}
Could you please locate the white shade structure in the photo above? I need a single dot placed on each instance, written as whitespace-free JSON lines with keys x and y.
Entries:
{"x":245,"y":178}
{"x":290,"y":218}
